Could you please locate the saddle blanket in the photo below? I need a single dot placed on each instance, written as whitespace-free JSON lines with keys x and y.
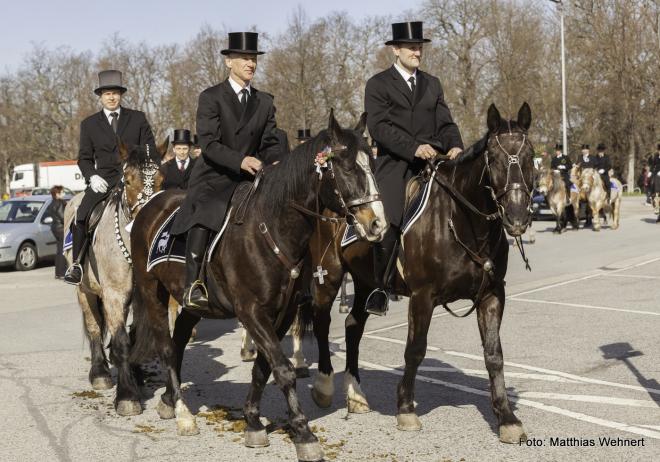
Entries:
{"x":410,"y":216}
{"x":574,"y":188}
{"x":613,"y":185}
{"x":168,"y":248}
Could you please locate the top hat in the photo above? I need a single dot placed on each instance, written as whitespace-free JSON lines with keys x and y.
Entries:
{"x":182,"y":136}
{"x":585,"y":146}
{"x":407,"y":32}
{"x":373,"y":143}
{"x":195,"y":140}
{"x":304,"y":134}
{"x":109,"y":80}
{"x":601,"y":147}
{"x":658,"y":147}
{"x":242,"y":42}
{"x":559,"y":147}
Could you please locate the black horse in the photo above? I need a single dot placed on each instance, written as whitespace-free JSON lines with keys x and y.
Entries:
{"x":456,"y":250}
{"x":253,"y":271}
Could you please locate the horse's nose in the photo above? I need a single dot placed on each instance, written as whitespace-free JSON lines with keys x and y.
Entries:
{"x":376,"y":226}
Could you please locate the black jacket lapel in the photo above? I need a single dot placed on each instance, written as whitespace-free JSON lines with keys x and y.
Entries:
{"x":105,"y":125}
{"x":232,"y":99}
{"x":400,"y":84}
{"x":124,"y":116}
{"x":420,"y":87}
{"x":252,"y":104}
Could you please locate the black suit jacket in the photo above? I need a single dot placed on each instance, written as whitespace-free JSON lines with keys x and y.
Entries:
{"x":99,"y":153}
{"x":400,"y":122}
{"x":175,"y":178}
{"x":563,"y":164}
{"x":226,"y":136}
{"x":603,"y":163}
{"x":592,"y":162}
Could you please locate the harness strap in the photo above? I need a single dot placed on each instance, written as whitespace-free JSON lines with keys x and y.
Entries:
{"x":316,"y":215}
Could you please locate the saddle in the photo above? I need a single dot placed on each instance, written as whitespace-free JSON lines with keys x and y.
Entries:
{"x":95,"y":215}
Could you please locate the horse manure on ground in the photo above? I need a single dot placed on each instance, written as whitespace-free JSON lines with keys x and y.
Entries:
{"x":87,"y":394}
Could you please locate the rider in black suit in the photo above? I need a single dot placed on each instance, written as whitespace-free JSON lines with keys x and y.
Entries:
{"x":98,"y":157}
{"x":236,"y":128}
{"x":177,"y":171}
{"x":603,"y":166}
{"x":406,"y":113}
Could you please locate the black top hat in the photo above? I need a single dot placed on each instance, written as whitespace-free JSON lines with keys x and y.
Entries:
{"x":109,"y":80}
{"x":601,"y":147}
{"x":182,"y":136}
{"x":407,"y":32}
{"x":373,"y":143}
{"x":242,"y":42}
{"x":559,"y":147}
{"x":195,"y":140}
{"x":658,"y":147}
{"x":585,"y":146}
{"x":304,"y":134}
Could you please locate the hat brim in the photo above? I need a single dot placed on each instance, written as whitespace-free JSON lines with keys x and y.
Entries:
{"x":241,"y":52}
{"x":397,"y":42}
{"x":99,"y":90}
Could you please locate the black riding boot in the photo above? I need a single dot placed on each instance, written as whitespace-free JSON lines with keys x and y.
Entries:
{"x":384,"y":262}
{"x":195,"y":294}
{"x":74,"y":273}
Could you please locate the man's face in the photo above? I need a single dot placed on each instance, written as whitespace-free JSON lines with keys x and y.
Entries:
{"x":241,"y":66}
{"x":374,"y":151}
{"x":110,"y":99}
{"x":558,"y":153}
{"x":196,"y":152}
{"x":585,"y":152}
{"x":181,"y":151}
{"x":408,"y":54}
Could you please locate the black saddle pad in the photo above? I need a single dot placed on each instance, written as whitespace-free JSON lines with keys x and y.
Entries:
{"x":165,"y":246}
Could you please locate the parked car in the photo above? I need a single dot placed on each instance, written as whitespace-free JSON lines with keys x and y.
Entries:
{"x":46,"y":191}
{"x":25,"y":236}
{"x":540,"y":208}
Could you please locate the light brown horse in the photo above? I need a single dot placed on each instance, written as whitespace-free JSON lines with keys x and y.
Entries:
{"x":592,"y":190}
{"x":552,"y":185}
{"x":104,"y":295}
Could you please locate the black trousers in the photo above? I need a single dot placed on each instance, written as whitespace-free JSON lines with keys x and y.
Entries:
{"x":60,"y":261}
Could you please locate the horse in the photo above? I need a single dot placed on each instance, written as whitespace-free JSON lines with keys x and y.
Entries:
{"x":457,"y":249}
{"x":253,"y":270}
{"x":592,"y":190}
{"x":552,"y":185}
{"x":104,"y":295}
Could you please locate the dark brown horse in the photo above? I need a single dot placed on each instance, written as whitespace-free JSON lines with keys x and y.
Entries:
{"x":456,"y":250}
{"x":249,"y":273}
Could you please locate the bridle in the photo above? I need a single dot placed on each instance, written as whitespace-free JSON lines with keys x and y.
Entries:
{"x":148,"y":172}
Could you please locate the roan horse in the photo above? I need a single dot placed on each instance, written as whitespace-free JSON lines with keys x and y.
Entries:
{"x":551,"y":184}
{"x":456,"y":250}
{"x":253,"y":267}
{"x":105,"y":292}
{"x":592,"y":190}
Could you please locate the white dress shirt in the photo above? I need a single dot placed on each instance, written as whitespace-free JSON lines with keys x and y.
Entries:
{"x":109,"y":117}
{"x":406,"y":75}
{"x":237,"y":88}
{"x":185,"y":165}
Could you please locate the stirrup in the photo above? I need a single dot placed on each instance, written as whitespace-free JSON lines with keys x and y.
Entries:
{"x":68,"y":278}
{"x":188,"y":303}
{"x":372,"y":301}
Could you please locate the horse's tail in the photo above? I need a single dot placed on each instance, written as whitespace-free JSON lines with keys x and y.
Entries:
{"x":143,"y":348}
{"x":304,"y":320}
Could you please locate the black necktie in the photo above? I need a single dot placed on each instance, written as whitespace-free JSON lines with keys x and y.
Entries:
{"x":412,"y":84}
{"x":244,"y":98}
{"x":113,"y":122}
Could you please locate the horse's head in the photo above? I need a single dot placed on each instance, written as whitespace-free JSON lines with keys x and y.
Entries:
{"x":142,"y":176}
{"x":511,"y":168}
{"x":545,"y":181}
{"x":348,"y":186}
{"x":586,"y":180}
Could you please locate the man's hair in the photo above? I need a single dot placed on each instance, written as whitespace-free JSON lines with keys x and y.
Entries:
{"x":55,"y":190}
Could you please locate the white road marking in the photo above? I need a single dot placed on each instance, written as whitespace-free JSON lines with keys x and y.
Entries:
{"x":633,"y":276}
{"x":483,"y":372}
{"x":522,"y":401}
{"x":580,"y":305}
{"x":397,"y":341}
{"x":590,"y":399}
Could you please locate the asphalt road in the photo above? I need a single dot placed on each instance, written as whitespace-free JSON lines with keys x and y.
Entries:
{"x":579,"y":337}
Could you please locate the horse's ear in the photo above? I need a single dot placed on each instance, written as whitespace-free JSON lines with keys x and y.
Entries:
{"x":162,"y":147}
{"x":494,"y":118}
{"x":525,"y":116}
{"x":123,"y":150}
{"x":333,"y":127}
{"x":362,"y":123}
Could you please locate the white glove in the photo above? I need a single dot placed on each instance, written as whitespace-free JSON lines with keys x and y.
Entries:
{"x":657,"y":174}
{"x":98,"y":184}
{"x":601,"y":171}
{"x":562,"y":167}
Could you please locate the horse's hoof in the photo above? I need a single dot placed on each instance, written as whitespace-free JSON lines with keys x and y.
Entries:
{"x":256,"y":438}
{"x":408,"y":422}
{"x":128,"y":408}
{"x":248,"y":355}
{"x":321,"y":400}
{"x":164,"y":411}
{"x":309,"y":452}
{"x":302,"y":372}
{"x":186,"y":427}
{"x":102,"y":383}
{"x":512,"y":434}
{"x":357,"y":406}
{"x":356,"y":400}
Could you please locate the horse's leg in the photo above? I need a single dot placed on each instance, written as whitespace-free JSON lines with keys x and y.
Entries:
{"x":595,"y":215}
{"x":420,"y":312}
{"x":127,"y":398}
{"x":268,"y":345}
{"x":248,"y":352}
{"x":616,"y":208}
{"x":356,"y":400}
{"x":343,"y":297}
{"x":324,"y":382}
{"x":173,"y":308}
{"x":184,"y":329}
{"x":489,"y":317}
{"x":255,"y":433}
{"x":99,"y":372}
{"x":302,"y":368}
